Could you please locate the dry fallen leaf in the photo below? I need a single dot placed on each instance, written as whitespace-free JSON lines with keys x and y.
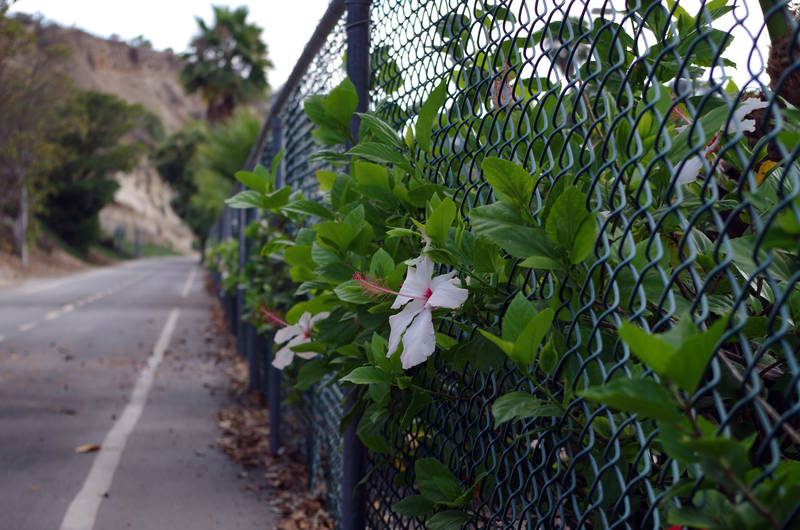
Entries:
{"x":245,"y":439}
{"x":87,"y":448}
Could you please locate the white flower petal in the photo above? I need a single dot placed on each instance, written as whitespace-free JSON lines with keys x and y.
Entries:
{"x":399,"y":322}
{"x":305,"y":320}
{"x":747,"y":106}
{"x":419,"y":341}
{"x":414,"y":286}
{"x":285,"y":355}
{"x":319,"y":316}
{"x":747,"y":126}
{"x":288,"y":332}
{"x":445,"y":294}
{"x":306,"y":354}
{"x":689,"y":170}
{"x":283,"y":358}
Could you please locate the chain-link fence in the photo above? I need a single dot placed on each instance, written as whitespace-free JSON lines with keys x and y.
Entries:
{"x":618,"y":94}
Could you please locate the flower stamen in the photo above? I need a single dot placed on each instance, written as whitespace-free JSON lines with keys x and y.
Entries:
{"x":375,"y":288}
{"x":273,"y":317}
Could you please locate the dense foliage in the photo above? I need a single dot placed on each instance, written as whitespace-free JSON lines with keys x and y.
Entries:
{"x":34,"y":91}
{"x":96,"y":145}
{"x":198,"y":163}
{"x":635,"y":278}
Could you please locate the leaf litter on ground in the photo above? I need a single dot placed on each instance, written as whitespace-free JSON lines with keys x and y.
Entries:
{"x":244,"y":438}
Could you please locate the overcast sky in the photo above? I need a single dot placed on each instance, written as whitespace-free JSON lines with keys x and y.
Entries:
{"x":287,"y":25}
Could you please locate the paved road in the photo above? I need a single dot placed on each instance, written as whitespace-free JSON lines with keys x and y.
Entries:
{"x":81,"y":363}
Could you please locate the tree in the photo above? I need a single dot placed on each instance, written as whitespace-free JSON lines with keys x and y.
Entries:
{"x":82,"y":185}
{"x":200,"y":166}
{"x":33,"y":87}
{"x":226,"y":63}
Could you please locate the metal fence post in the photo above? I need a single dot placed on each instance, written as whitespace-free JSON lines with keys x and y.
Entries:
{"x":250,"y":333}
{"x":241,"y":340}
{"x":353,"y":455}
{"x":273,"y":374}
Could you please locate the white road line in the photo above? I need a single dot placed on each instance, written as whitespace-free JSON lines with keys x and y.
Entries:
{"x":82,"y":512}
{"x":67,"y":308}
{"x":52,"y":315}
{"x":187,"y":286}
{"x":26,"y":326}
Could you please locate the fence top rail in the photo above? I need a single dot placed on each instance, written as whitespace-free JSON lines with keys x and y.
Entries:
{"x":326,"y":24}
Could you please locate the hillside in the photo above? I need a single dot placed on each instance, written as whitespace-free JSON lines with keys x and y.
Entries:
{"x":149,"y":77}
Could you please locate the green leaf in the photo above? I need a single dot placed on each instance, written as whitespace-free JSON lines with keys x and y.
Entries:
{"x":690,"y":361}
{"x":337,"y":235}
{"x":683,"y":365}
{"x":520,"y":406}
{"x":311,"y":372}
{"x":584,"y":240}
{"x":504,"y":227}
{"x":709,"y":122}
{"x":355,"y":219}
{"x":413,"y":506}
{"x":653,"y":351}
{"x":299,"y":255}
{"x":506,"y":346}
{"x":364,"y":375}
{"x":382,"y":131}
{"x":276,"y":199}
{"x":315,"y":109}
{"x":308,"y":208}
{"x":640,"y":396}
{"x":382,"y":154}
{"x":370,"y":435}
{"x":273,"y":174}
{"x":368,"y":174}
{"x":448,"y":520}
{"x":543,"y":263}
{"x":427,"y":115}
{"x":418,"y":403}
{"x":352,"y":292}
{"x":246,"y":199}
{"x":435,"y":480}
{"x":382,"y":264}
{"x":511,"y":181}
{"x":313,"y":306}
{"x":691,"y":517}
{"x":255,"y":181}
{"x":518,"y":314}
{"x":526,"y":346}
{"x":440,"y":219}
{"x":315,"y":347}
{"x":341,"y":103}
{"x":565,"y":217}
{"x":326,"y":180}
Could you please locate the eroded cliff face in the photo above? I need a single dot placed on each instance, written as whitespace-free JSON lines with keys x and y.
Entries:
{"x":149,"y":77}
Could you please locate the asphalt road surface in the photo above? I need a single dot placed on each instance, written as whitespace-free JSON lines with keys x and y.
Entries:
{"x":121,"y":357}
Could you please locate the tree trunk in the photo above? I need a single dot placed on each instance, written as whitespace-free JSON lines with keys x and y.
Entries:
{"x":21,"y":226}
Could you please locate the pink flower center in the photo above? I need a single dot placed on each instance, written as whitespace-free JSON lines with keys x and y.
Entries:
{"x":307,"y":333}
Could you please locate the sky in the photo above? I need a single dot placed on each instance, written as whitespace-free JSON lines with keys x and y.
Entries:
{"x":287,"y":25}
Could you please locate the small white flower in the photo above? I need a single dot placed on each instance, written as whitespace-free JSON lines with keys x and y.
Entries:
{"x":299,"y":333}
{"x":420,"y":294}
{"x":691,"y":167}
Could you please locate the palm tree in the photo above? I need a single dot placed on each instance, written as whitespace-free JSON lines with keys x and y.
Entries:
{"x":227,"y":63}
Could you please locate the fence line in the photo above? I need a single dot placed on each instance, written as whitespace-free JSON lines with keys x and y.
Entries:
{"x":533,"y":82}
